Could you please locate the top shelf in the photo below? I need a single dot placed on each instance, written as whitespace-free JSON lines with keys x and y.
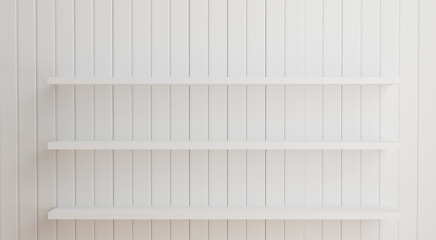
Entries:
{"x":224,"y":81}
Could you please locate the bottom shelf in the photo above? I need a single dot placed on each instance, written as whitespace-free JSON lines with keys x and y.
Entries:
{"x":223,"y":213}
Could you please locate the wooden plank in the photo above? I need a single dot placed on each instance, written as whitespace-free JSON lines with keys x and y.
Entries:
{"x":219,"y":145}
{"x":160,"y":113}
{"x":332,"y":174}
{"x":236,"y":38}
{"x":255,"y":11}
{"x":275,"y":113}
{"x":180,"y":112}
{"x":217,"y":113}
{"x":332,"y":34}
{"x":180,"y":178}
{"x":294,"y":179}
{"x":275,"y":178}
{"x":236,"y":178}
{"x":232,"y":80}
{"x":294,"y":113}
{"x":312,"y":230}
{"x":236,"y":214}
{"x":141,"y":160}
{"x":26,"y":102}
{"x":351,"y":38}
{"x":141,"y":113}
{"x":65,"y":127}
{"x":256,"y":178}
{"x":141,"y":39}
{"x":179,"y":38}
{"x":312,"y":178}
{"x":160,"y":40}
{"x":275,"y":229}
{"x":217,"y":230}
{"x":389,"y":106}
{"x":351,"y":113}
{"x":160,"y":178}
{"x":408,"y":164}
{"x":198,"y":38}
{"x":9,"y":139}
{"x":275,"y":38}
{"x":103,"y":115}
{"x":179,"y":107}
{"x":371,"y":38}
{"x":236,"y":112}
{"x":122,"y":97}
{"x":332,"y":113}
{"x":217,"y":178}
{"x":256,"y":113}
{"x":313,"y":113}
{"x":199,"y":229}
{"x":84,"y":107}
{"x":198,"y":110}
{"x":103,"y":39}
{"x":46,"y":163}
{"x":122,"y":32}
{"x":294,"y":229}
{"x":141,"y":178}
{"x":370,"y":114}
{"x":294,"y":35}
{"x":198,"y":178}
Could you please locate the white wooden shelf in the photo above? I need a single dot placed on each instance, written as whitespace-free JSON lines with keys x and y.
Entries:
{"x":179,"y":213}
{"x":214,"y":145}
{"x":224,"y":81}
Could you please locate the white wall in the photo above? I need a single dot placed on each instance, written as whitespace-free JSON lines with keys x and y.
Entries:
{"x":42,"y":38}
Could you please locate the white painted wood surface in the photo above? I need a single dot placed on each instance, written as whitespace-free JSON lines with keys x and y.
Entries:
{"x":219,"y":145}
{"x":232,"y":41}
{"x":225,"y":81}
{"x":223,"y":213}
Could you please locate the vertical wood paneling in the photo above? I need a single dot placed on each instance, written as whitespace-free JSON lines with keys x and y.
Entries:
{"x":141,"y":29}
{"x":295,"y":38}
{"x":255,"y":10}
{"x":370,"y":117}
{"x":255,"y":110}
{"x":205,"y":38}
{"x":199,"y":43}
{"x":274,"y":37}
{"x":426,"y":118}
{"x":180,"y":64}
{"x":389,"y":104}
{"x":65,"y":126}
{"x":217,"y":115}
{"x":122,"y":115}
{"x":351,"y":111}
{"x":199,"y":113}
{"x":274,"y":116}
{"x":26,"y":119}
{"x":46,"y":125}
{"x":160,"y":107}
{"x":408,"y":162}
{"x":313,"y":128}
{"x":103,"y":114}
{"x":9,"y":217}
{"x":179,"y":166}
{"x":217,"y":29}
{"x":84,"y":122}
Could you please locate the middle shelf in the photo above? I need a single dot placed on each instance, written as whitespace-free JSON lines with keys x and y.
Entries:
{"x":220,"y":145}
{"x":224,"y":213}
